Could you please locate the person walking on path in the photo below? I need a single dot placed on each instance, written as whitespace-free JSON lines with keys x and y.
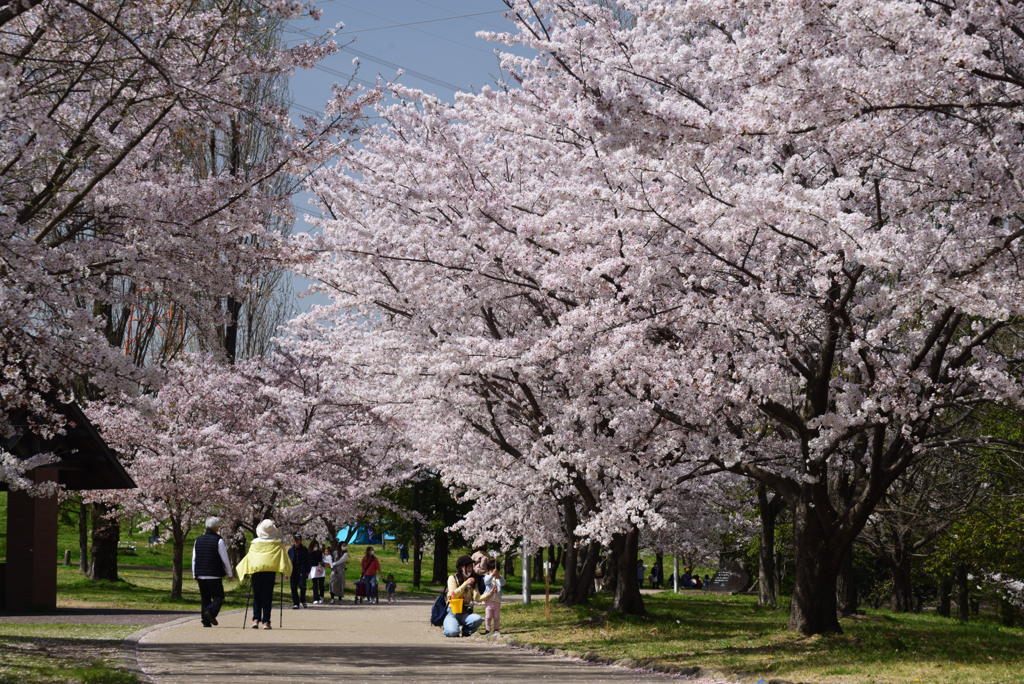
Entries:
{"x":338,"y":567}
{"x":316,"y":571}
{"x":403,"y":553}
{"x":210,"y":565}
{"x":371,"y":566}
{"x":299,"y":556}
{"x":462,"y":590}
{"x":265,"y":559}
{"x":492,"y":604}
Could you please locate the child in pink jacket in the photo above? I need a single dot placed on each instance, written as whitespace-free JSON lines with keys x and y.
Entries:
{"x":492,"y":604}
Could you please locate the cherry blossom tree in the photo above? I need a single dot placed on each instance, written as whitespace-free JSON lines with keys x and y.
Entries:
{"x":102,"y":102}
{"x":257,"y":439}
{"x":775,"y":239}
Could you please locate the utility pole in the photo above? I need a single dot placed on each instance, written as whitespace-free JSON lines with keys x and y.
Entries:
{"x":547,"y":591}
{"x":526,"y":575}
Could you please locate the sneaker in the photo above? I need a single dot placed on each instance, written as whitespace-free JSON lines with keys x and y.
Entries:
{"x":255,"y":624}
{"x":207,"y":624}
{"x":295,"y":607}
{"x":213,"y":621}
{"x":303,"y":605}
{"x":332,"y":602}
{"x":266,"y":625}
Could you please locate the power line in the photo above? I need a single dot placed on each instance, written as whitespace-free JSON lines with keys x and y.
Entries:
{"x":416,"y":23}
{"x":430,"y":4}
{"x":418,"y":30}
{"x":412,"y":72}
{"x":379,"y":60}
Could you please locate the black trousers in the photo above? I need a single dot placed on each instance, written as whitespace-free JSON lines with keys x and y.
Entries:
{"x":318,"y":588}
{"x":211,"y":594}
{"x":298,"y":589}
{"x":262,"y":595}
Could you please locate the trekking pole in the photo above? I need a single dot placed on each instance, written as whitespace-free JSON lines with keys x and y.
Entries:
{"x":280,"y":623}
{"x":245,"y":615}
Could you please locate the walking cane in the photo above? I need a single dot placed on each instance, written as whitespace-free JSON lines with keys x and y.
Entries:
{"x":245,"y":615}
{"x":280,"y":623}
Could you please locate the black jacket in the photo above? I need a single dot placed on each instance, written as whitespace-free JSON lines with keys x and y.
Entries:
{"x":299,"y":556}
{"x":208,"y":561}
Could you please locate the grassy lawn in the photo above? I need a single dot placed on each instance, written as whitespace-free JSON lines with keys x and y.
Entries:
{"x":729,"y":633}
{"x":38,"y":653}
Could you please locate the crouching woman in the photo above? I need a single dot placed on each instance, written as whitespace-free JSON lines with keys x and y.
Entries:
{"x":267,"y":557}
{"x":462,"y":594}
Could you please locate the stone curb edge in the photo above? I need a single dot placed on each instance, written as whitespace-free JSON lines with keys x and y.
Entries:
{"x":643,"y":664}
{"x":130,"y":645}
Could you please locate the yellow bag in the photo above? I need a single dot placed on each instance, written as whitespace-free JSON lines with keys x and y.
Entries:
{"x":455,"y":604}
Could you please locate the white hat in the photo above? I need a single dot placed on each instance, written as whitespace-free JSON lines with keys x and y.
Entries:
{"x":267,"y":531}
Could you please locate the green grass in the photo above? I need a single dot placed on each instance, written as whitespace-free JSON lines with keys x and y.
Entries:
{"x":729,"y":633}
{"x":72,"y":653}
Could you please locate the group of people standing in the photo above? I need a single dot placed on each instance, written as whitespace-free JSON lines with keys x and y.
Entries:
{"x":476,"y":580}
{"x":267,"y":557}
{"x":314,"y":563}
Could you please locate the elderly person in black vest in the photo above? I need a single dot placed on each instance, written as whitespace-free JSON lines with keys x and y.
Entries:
{"x":210,"y":565}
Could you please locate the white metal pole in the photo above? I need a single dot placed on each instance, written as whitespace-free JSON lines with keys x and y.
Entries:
{"x":675,"y":573}
{"x":526,"y":575}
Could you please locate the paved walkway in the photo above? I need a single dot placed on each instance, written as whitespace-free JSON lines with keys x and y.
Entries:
{"x":97,"y":616}
{"x":351,"y":643}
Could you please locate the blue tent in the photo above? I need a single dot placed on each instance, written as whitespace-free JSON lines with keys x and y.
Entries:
{"x":365,"y":536}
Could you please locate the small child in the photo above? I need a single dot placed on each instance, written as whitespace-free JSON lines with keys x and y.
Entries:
{"x":492,"y":606}
{"x":389,"y":587}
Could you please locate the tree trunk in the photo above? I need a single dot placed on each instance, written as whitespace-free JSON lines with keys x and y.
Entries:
{"x":962,"y":596}
{"x":440,"y":557}
{"x":417,"y":538}
{"x":538,"y":565}
{"x":83,"y":537}
{"x":777,"y":577}
{"x":611,"y":577}
{"x":945,"y":589}
{"x":627,"y":592}
{"x":846,"y":588}
{"x":813,"y":608}
{"x":659,"y":562}
{"x":568,"y":593}
{"x":902,"y":596}
{"x":106,"y":533}
{"x":177,"y":555}
{"x":768,"y":511}
{"x":554,"y":561}
{"x":236,"y":543}
{"x":510,"y":568}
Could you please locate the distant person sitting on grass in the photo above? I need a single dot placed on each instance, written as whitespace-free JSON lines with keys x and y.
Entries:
{"x":707,"y":582}
{"x":210,"y":565}
{"x":686,"y":581}
{"x":462,"y":593}
{"x":266,"y":558}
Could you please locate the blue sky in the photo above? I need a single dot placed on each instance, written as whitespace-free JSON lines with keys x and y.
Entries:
{"x":438,"y":52}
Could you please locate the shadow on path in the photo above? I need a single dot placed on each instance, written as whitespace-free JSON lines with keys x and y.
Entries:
{"x":362,"y":662}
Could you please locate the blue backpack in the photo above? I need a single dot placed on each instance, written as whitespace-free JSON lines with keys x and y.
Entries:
{"x":440,"y":609}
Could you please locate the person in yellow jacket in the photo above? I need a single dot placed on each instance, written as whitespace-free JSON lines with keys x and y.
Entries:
{"x":267,"y":556}
{"x":462,"y":586}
